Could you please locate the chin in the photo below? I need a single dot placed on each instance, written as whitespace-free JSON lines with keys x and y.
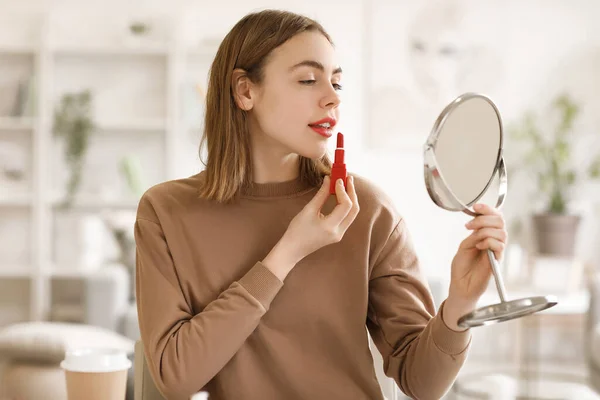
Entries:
{"x":313,"y":153}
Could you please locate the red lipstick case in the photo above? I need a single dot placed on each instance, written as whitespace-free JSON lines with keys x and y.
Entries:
{"x":338,"y":171}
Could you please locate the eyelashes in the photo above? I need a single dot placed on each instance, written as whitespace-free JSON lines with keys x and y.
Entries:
{"x":310,"y":82}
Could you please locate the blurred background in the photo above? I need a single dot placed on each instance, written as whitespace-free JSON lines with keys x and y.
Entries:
{"x":100,"y":102}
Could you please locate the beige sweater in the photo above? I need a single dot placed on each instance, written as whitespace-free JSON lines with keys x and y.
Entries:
{"x":213,"y":317}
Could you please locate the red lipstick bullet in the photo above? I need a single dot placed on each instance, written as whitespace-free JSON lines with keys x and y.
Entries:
{"x":338,"y":171}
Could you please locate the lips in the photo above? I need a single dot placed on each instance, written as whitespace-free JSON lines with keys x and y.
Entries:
{"x":324,"y":127}
{"x":322,"y":123}
{"x":326,"y":132}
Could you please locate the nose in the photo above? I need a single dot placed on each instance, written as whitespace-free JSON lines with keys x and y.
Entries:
{"x":331,"y":99}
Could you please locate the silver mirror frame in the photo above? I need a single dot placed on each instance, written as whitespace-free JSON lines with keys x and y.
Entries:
{"x":434,"y":179}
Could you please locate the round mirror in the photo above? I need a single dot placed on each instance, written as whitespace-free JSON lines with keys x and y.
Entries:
{"x":464,"y":152}
{"x":463,"y":165}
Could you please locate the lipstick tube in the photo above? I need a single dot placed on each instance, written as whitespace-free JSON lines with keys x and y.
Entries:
{"x":338,"y":170}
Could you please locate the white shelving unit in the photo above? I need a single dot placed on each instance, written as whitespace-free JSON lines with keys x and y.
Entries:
{"x":142,"y":95}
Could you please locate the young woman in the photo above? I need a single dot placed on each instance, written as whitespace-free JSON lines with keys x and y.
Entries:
{"x":254,"y":283}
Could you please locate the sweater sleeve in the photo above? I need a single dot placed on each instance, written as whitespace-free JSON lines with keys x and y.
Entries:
{"x":419,"y":351}
{"x":184,"y":351}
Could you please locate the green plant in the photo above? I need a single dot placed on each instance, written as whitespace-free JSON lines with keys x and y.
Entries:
{"x":131,"y":170}
{"x":73,"y":122}
{"x":550,"y":155}
{"x":139,"y":28}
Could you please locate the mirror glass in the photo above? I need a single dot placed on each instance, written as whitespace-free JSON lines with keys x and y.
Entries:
{"x":467,"y":148}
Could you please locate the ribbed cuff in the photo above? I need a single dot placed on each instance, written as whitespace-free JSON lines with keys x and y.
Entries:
{"x":447,"y":340}
{"x":262,"y":284}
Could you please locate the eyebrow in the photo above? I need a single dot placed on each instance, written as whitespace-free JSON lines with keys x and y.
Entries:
{"x":314,"y":64}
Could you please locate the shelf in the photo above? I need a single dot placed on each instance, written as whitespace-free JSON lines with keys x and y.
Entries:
{"x":109,"y":51}
{"x":202,"y":53}
{"x":137,"y":125}
{"x":18,"y":200}
{"x":15,"y":271}
{"x":91,"y":202}
{"x":64,"y":312}
{"x":70,"y":272}
{"x":19,"y":50}
{"x":16,"y":123}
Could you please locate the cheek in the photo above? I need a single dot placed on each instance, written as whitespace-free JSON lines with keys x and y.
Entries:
{"x":286,"y":110}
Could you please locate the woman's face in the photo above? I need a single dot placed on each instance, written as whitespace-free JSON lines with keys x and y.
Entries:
{"x":300,"y":88}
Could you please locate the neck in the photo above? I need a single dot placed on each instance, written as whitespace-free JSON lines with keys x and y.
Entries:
{"x":275,"y":170}
{"x":271,"y":162}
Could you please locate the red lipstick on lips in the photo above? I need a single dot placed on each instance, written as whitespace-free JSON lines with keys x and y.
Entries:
{"x":338,"y":170}
{"x":322,"y":130}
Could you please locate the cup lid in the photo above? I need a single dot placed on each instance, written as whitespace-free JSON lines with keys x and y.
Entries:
{"x":95,"y":360}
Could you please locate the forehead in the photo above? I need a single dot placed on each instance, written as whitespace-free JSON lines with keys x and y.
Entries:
{"x":304,"y":46}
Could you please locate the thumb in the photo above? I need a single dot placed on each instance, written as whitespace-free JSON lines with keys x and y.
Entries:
{"x":322,"y":195}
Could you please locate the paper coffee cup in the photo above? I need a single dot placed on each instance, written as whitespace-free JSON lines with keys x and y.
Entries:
{"x":96,"y":374}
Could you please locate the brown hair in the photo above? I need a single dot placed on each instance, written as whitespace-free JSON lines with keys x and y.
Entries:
{"x":246,"y":46}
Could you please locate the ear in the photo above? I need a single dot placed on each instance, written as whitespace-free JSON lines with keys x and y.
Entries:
{"x":241,"y":86}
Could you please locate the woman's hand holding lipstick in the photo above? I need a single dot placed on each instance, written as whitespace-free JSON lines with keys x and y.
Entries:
{"x":310,"y":229}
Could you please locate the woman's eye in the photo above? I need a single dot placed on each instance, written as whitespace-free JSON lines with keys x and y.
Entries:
{"x":336,"y":86}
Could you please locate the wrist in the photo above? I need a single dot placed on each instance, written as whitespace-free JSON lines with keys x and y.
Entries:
{"x":280,"y":260}
{"x":454,"y":309}
{"x":459,"y":300}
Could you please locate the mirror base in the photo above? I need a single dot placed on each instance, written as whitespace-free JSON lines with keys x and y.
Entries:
{"x":506,"y":311}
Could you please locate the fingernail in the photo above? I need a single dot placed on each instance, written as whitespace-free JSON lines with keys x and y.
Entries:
{"x":478,"y":206}
{"x":340,"y":182}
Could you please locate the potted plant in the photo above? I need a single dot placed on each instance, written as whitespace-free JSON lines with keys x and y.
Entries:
{"x":550,"y":157}
{"x":80,"y":235}
{"x":73,"y":123}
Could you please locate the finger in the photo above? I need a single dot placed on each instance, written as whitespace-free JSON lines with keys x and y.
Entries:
{"x":486,"y":221}
{"x":355,"y":206}
{"x":344,"y":204}
{"x":316,"y":203}
{"x":483,"y":234}
{"x":486,"y":209}
{"x":495,"y":245}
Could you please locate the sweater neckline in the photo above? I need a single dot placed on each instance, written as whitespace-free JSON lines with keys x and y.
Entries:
{"x":288,"y":188}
